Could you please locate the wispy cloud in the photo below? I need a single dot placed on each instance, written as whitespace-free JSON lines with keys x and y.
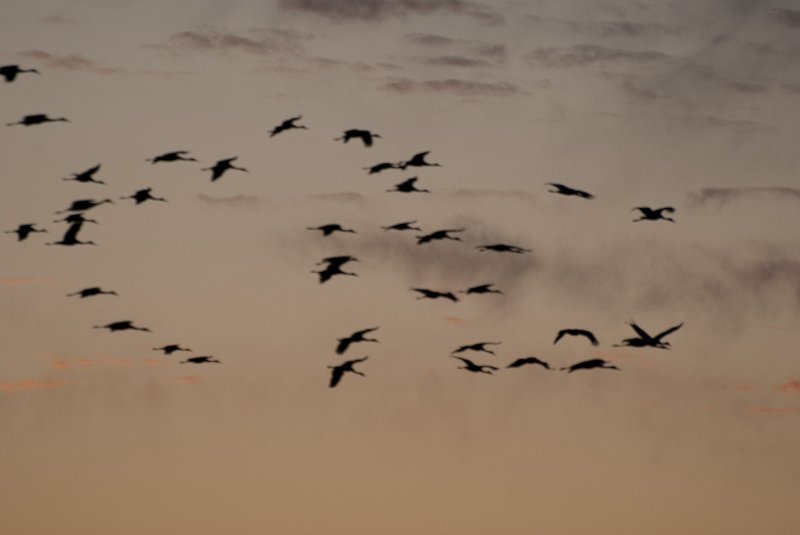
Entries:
{"x":55,"y":18}
{"x":720,"y":196}
{"x":467,"y":47}
{"x":606,"y":28}
{"x":376,"y":10}
{"x":789,"y":17}
{"x":70,"y":62}
{"x":465,"y":88}
{"x":19,"y":281}
{"x":30,"y":385}
{"x":455,"y":61}
{"x":242,"y":201}
{"x":791,"y":387}
{"x":256,"y":41}
{"x":584,"y":55}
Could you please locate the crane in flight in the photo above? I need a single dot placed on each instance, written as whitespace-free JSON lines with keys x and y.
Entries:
{"x":482,"y":289}
{"x":654,"y":214}
{"x":10,"y":72}
{"x":566,"y":190}
{"x":125,"y":325}
{"x":407,"y":186}
{"x":475,"y":368}
{"x":590,"y":364}
{"x":24,"y":230}
{"x":576,"y":332}
{"x":358,"y":336}
{"x":174,"y":156}
{"x":502,"y":248}
{"x":479,"y":346}
{"x":418,"y":160}
{"x":646,"y":340}
{"x":71,"y":236}
{"x":38,"y":118}
{"x":205,"y":359}
{"x":405,"y":225}
{"x":84,"y":204}
{"x":169,"y":349}
{"x":383,"y":166}
{"x":433,"y":294}
{"x":524,"y":361}
{"x":365,"y":136}
{"x":288,"y":124}
{"x":92,"y":291}
{"x":340,"y":369}
{"x":144,"y":195}
{"x":219,"y":168}
{"x":332,"y":269}
{"x":443,"y":234}
{"x":77,"y":217}
{"x":327,"y":230}
{"x":86,"y":176}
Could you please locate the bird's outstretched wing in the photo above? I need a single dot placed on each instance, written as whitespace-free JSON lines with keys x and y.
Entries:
{"x":668,"y":331}
{"x":344,"y":343}
{"x":336,"y":376}
{"x":641,"y":332}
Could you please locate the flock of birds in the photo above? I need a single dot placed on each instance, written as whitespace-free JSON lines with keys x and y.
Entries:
{"x":333,"y":265}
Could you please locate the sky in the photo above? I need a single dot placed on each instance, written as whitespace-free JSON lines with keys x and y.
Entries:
{"x":640,"y":103}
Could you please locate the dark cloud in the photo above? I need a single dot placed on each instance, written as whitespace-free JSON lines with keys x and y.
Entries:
{"x":430,"y":40}
{"x":608,"y":28}
{"x":789,"y":17}
{"x":466,"y":88}
{"x":70,"y":62}
{"x":720,"y":196}
{"x":257,"y":41}
{"x":374,"y":10}
{"x":471,"y":48}
{"x":456,"y":61}
{"x":247,"y":202}
{"x":583,"y":55}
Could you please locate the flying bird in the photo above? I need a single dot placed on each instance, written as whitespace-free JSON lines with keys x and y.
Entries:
{"x":358,"y":336}
{"x":205,"y":359}
{"x":365,"y":136}
{"x":576,"y":332}
{"x":71,"y":236}
{"x":337,"y":261}
{"x":25,"y":230}
{"x":219,"y":168}
{"x":327,"y":230}
{"x":288,"y":124}
{"x":92,"y":291}
{"x":174,"y":156}
{"x":144,"y":195}
{"x":330,"y":270}
{"x":443,"y":234}
{"x":38,"y":118}
{"x":77,"y":217}
{"x":405,"y":225}
{"x":83,"y":205}
{"x":654,"y":214}
{"x":10,"y":72}
{"x":171,"y":348}
{"x":475,"y":368}
{"x":481,"y":289}
{"x":524,"y":361}
{"x":480,"y":346}
{"x":407,"y":186}
{"x":346,"y":366}
{"x":383,"y":166}
{"x":418,"y":160}
{"x":566,"y":190}
{"x":502,"y":248}
{"x":122,"y":326}
{"x":645,"y":340}
{"x":432,"y":294}
{"x":589,"y":364}
{"x":86,"y":176}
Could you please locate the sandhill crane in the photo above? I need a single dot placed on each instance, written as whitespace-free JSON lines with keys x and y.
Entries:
{"x":405,"y":225}
{"x":288,"y":124}
{"x":645,"y":340}
{"x":524,"y":361}
{"x":654,"y":214}
{"x":502,"y":248}
{"x":125,"y":325}
{"x":566,"y":190}
{"x":576,"y":332}
{"x":86,"y":176}
{"x":337,"y":261}
{"x":358,"y":336}
{"x":346,"y":366}
{"x":10,"y":72}
{"x":589,"y":364}
{"x":364,"y":135}
{"x":174,"y":156}
{"x":479,"y":346}
{"x":443,"y":234}
{"x":219,"y":168}
{"x":171,"y":348}
{"x":38,"y":118}
{"x":83,"y":205}
{"x":144,"y":195}
{"x":77,"y":217}
{"x":418,"y":160}
{"x":25,"y":230}
{"x":71,"y":237}
{"x":433,"y":294}
{"x":327,"y":230}
{"x":475,"y":368}
{"x":205,"y":359}
{"x":89,"y":292}
{"x":481,"y":289}
{"x":407,"y":186}
{"x":330,"y":270}
{"x":383,"y":166}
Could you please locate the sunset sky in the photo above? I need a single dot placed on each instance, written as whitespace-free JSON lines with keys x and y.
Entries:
{"x":642,"y":103}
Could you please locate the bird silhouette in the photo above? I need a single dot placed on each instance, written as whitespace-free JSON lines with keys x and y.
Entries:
{"x":443,"y":234}
{"x":174,"y":156}
{"x":171,"y":348}
{"x":566,"y":190}
{"x":405,"y":225}
{"x":83,"y":205}
{"x":327,"y":230}
{"x":337,"y":261}
{"x":358,"y":336}
{"x":92,"y":291}
{"x":330,"y":270}
{"x":25,"y":230}
{"x":122,"y":326}
{"x":481,"y":289}
{"x":576,"y":332}
{"x":205,"y":359}
{"x":383,"y":166}
{"x":38,"y":118}
{"x":144,"y":195}
{"x":346,"y":366}
{"x":10,"y":72}
{"x":589,"y":364}
{"x":288,"y":124}
{"x":475,"y":368}
{"x":71,"y":236}
{"x":479,"y":346}
{"x":407,"y":186}
{"x":86,"y":176}
{"x":645,"y":340}
{"x":433,"y":294}
{"x":654,"y":214}
{"x":502,"y":248}
{"x":524,"y":361}
{"x":418,"y":160}
{"x":365,"y":136}
{"x":77,"y":217}
{"x":219,"y":168}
